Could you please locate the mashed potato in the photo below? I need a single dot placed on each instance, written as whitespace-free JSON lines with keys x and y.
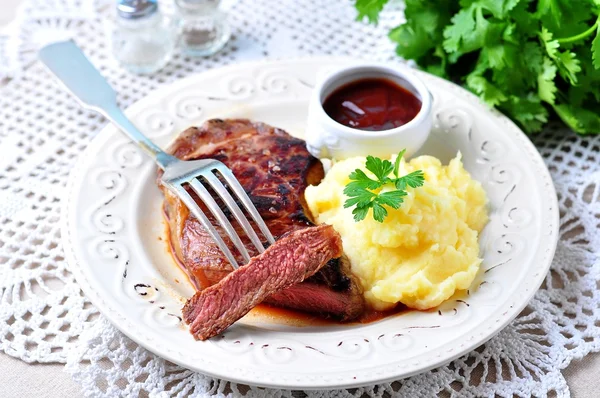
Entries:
{"x":423,"y":252}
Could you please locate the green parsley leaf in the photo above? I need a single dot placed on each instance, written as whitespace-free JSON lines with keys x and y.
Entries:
{"x":364,"y":193}
{"x":381,"y":168}
{"x":596,"y":49}
{"x":359,"y":199}
{"x":550,"y":45}
{"x":527,"y":111}
{"x":360,"y":213}
{"x":468,"y":31}
{"x":495,"y":56}
{"x":391,"y":198}
{"x":568,"y":66}
{"x":510,"y":34}
{"x":587,"y":92}
{"x":369,"y":9}
{"x":414,"y":179}
{"x":463,"y":25}
{"x":581,"y":120}
{"x":379,"y":212}
{"x":531,"y":59}
{"x":490,"y":94}
{"x":421,"y":37}
{"x":551,"y":8}
{"x":363,"y":179}
{"x":411,"y":43}
{"x":499,"y":9}
{"x":546,"y":86}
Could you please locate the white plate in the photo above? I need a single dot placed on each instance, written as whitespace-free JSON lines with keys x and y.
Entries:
{"x":113,"y":235}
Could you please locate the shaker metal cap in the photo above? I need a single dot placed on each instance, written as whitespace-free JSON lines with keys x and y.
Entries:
{"x":133,"y":9}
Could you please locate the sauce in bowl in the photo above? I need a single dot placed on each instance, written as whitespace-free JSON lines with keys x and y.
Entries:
{"x":372,"y":104}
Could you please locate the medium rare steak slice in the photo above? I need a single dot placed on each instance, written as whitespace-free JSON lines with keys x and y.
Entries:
{"x":274,"y":168}
{"x":289,"y":261}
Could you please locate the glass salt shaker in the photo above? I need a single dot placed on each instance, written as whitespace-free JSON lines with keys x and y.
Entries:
{"x":203,"y":28}
{"x":142,"y":38}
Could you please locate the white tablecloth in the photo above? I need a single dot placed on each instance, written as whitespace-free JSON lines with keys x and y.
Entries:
{"x":20,"y":379}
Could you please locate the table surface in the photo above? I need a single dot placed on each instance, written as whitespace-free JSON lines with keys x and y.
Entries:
{"x":50,"y":380}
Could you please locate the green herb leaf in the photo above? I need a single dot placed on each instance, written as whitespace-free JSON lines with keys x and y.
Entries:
{"x":596,"y":49}
{"x":363,"y":192}
{"x":369,"y":9}
{"x":581,"y":120}
{"x":411,"y":43}
{"x":530,"y":59}
{"x":381,"y":168}
{"x":490,"y":93}
{"x":363,"y":180}
{"x":568,"y":66}
{"x":463,"y":25}
{"x":379,"y":212}
{"x":550,"y":45}
{"x":496,"y":56}
{"x":498,"y":8}
{"x":360,"y":199}
{"x":392,"y":198}
{"x":550,"y":7}
{"x":546,"y":86}
{"x":527,"y":111}
{"x":413,"y":180}
{"x":360,"y":213}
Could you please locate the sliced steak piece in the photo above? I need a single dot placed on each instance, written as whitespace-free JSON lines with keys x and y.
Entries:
{"x":274,"y":168}
{"x":288,"y":261}
{"x":330,"y":291}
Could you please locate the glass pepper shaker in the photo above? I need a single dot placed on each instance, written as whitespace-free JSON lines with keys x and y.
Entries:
{"x":142,"y":38}
{"x":202,"y":27}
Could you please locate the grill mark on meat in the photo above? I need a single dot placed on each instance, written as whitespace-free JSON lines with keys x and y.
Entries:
{"x":283,"y":190}
{"x":274,"y":168}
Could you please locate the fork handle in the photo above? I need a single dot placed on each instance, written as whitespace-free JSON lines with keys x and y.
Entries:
{"x":69,"y":64}
{"x":118,"y":118}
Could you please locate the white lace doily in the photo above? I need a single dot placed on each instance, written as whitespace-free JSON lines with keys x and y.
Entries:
{"x":44,"y":317}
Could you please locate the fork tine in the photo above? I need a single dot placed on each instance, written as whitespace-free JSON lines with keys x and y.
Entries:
{"x":218,"y":187}
{"x":195,"y":209}
{"x":243,"y":196}
{"x":214,"y":208}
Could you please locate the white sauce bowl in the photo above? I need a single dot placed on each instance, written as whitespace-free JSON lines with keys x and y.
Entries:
{"x":326,"y":138}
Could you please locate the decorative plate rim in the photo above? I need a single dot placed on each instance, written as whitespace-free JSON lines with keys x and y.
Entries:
{"x":477,"y":336}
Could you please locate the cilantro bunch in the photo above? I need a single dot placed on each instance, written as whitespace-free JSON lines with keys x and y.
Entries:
{"x":531,"y":59}
{"x":365,"y":193}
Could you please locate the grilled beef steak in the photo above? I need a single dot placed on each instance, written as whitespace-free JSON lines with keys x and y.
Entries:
{"x":290,"y":260}
{"x":274,"y":168}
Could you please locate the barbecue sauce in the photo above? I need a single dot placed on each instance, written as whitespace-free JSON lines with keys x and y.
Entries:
{"x":372,"y":104}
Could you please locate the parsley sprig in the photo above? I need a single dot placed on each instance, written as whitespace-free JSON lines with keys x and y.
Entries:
{"x":364,"y":192}
{"x":531,"y":59}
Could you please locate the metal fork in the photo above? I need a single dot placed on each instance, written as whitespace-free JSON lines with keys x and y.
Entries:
{"x":68,"y":63}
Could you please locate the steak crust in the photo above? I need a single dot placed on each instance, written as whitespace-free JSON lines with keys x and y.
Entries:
{"x":274,"y":169}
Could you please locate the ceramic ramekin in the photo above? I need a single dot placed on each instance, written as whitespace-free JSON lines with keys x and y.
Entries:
{"x":326,"y":138}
